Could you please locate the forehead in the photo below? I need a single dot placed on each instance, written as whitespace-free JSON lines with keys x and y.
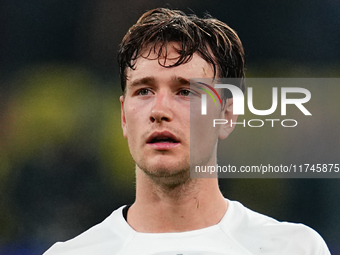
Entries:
{"x":150,"y":64}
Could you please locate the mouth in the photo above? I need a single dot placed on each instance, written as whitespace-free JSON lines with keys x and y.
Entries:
{"x":163,"y":140}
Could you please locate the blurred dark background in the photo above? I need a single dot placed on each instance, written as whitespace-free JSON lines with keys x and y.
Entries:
{"x":64,"y":164}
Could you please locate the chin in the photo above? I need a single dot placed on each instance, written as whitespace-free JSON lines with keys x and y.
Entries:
{"x":167,"y":175}
{"x":164,"y":166}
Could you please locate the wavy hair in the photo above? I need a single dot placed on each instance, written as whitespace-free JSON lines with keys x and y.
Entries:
{"x":211,"y":39}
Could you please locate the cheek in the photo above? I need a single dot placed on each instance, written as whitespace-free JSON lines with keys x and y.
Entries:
{"x":133,"y":121}
{"x":203,"y":134}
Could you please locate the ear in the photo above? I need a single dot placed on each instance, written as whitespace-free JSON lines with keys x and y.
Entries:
{"x":122,"y":116}
{"x":227,"y":113}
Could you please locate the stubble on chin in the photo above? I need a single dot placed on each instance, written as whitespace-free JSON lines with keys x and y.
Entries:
{"x":167,"y":178}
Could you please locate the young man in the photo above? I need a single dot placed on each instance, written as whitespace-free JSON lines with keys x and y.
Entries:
{"x":173,"y":213}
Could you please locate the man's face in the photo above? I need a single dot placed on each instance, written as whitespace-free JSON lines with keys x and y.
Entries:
{"x":156,"y":116}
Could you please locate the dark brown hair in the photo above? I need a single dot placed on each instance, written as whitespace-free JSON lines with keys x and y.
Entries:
{"x":212,"y":39}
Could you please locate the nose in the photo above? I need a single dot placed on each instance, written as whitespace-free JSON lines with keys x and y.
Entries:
{"x":161,"y":109}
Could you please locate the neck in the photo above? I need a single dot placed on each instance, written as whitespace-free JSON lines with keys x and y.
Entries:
{"x":195,"y":204}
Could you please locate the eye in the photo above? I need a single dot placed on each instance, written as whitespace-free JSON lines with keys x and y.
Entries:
{"x":143,"y":92}
{"x":185,"y":92}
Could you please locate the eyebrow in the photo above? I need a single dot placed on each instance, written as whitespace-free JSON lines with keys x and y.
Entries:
{"x":149,"y":80}
{"x":142,"y":81}
{"x":181,"y":80}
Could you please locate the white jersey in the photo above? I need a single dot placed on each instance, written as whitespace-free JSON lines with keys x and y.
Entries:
{"x":241,"y":231}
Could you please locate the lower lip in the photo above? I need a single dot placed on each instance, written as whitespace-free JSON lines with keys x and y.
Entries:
{"x":163,"y":146}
